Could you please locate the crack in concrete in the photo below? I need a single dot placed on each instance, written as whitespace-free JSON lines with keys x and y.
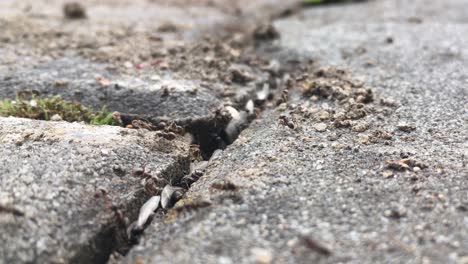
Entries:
{"x":113,"y":237}
{"x":211,"y":135}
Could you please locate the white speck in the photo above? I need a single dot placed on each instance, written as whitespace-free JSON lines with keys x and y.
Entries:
{"x":224,"y":260}
{"x":33,"y":103}
{"x":128,"y":64}
{"x":320,"y":127}
{"x":56,"y":117}
{"x":262,"y":256}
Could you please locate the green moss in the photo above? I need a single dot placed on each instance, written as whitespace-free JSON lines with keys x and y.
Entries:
{"x":103,"y":118}
{"x":45,"y":108}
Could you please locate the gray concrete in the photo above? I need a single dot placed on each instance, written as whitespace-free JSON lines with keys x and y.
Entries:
{"x":146,"y":58}
{"x":337,"y":174}
{"x":54,"y":176}
{"x":77,"y":79}
{"x":306,"y":196}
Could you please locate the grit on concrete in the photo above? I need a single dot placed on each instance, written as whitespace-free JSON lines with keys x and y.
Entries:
{"x":146,"y":58}
{"x":65,"y":185}
{"x":59,"y":182}
{"x":329,"y":195}
{"x":74,"y":79}
{"x":337,"y":174}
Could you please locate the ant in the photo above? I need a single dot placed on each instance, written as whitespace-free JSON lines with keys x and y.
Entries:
{"x":151,"y":182}
{"x":286,"y":121}
{"x":109,"y":205}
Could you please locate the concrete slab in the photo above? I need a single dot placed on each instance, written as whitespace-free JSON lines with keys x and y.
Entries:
{"x":91,"y":84}
{"x":379,"y":181}
{"x":146,"y":58}
{"x":68,"y":189}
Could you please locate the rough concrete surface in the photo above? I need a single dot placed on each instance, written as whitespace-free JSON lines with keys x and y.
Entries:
{"x":387,"y":184}
{"x":145,"y":58}
{"x":77,"y":79}
{"x":60,"y":181}
{"x":360,"y":157}
{"x":65,"y":186}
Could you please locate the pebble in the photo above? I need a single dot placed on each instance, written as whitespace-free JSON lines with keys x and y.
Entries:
{"x":128,"y":65}
{"x":262,"y":256}
{"x":56,"y":117}
{"x":360,"y":127}
{"x":74,"y":10}
{"x":320,"y":127}
{"x":323,"y":115}
{"x":406,"y":127}
{"x":387,"y":174}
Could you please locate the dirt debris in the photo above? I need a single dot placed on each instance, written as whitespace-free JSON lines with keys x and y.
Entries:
{"x":266,"y":32}
{"x":335,"y":84}
{"x":388,"y":102}
{"x":405,"y":164}
{"x":396,"y":213}
{"x":225,"y":185}
{"x":415,"y":20}
{"x":185,"y":206}
{"x":239,"y":75}
{"x":74,"y":10}
{"x":359,"y":126}
{"x":168,"y":27}
{"x":315,"y":246}
{"x":11,"y":210}
{"x":129,"y":49}
{"x":323,"y":115}
{"x":343,"y":101}
{"x":405,"y":127}
{"x":377,"y":136}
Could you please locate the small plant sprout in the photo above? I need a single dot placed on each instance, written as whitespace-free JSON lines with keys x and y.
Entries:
{"x":46,"y":108}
